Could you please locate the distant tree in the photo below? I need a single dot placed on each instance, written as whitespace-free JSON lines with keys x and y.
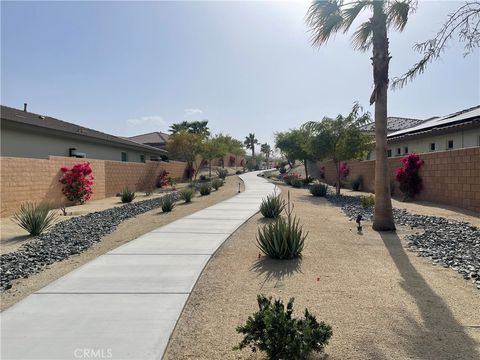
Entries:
{"x":292,"y":144}
{"x":266,"y":150}
{"x":339,"y":139}
{"x":213,"y":148}
{"x":464,"y":23}
{"x":250,"y":142}
{"x":188,"y":147}
{"x":194,"y":127}
{"x":328,"y":17}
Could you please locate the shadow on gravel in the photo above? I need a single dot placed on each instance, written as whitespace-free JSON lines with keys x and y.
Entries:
{"x":439,"y":335}
{"x":276,"y":270}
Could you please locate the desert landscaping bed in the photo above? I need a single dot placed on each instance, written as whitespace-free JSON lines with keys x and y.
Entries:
{"x":78,"y":240}
{"x":382,"y":301}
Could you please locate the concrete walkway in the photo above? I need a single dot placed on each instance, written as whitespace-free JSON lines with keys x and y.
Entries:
{"x":125,"y":304}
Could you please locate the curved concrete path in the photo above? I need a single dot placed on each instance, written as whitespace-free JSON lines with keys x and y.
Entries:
{"x":125,"y":304}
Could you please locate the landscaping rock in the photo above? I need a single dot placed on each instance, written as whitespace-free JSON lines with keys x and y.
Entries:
{"x":70,"y":237}
{"x":450,"y":243}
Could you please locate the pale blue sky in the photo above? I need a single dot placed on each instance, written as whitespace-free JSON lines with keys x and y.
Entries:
{"x":132,"y":67}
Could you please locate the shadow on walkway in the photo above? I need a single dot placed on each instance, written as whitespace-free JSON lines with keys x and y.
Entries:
{"x":439,"y":336}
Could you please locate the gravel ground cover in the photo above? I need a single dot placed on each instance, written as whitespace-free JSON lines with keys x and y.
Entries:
{"x":67,"y":238}
{"x":449,"y":243}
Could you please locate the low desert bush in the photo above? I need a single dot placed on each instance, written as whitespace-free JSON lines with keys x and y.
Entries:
{"x":205,"y":189}
{"x":296,"y":183}
{"x":367,"y":200}
{"x":288,"y":178}
{"x":217,"y":183}
{"x":187,"y":194}
{"x":127,"y":196}
{"x":222,"y":173}
{"x":308,"y":180}
{"x":238,"y":172}
{"x":318,"y":190}
{"x":357,"y":183}
{"x":273,"y":330}
{"x":204,"y":178}
{"x":168,"y":203}
{"x":35,"y":218}
{"x":272,"y":206}
{"x":284,"y":238}
{"x":77,"y":182}
{"x":282,"y":170}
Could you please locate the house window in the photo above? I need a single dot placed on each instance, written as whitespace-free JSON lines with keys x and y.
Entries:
{"x":142,"y":158}
{"x":450,"y":144}
{"x":399,"y":151}
{"x":389,"y":152}
{"x":432,"y":146}
{"x":124,"y":156}
{"x":405,"y":150}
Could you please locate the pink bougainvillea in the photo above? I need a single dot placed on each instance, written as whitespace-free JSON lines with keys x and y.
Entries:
{"x":232,"y":160}
{"x":409,"y":175}
{"x":344,"y":170}
{"x":77,"y":182}
{"x":163,"y":179}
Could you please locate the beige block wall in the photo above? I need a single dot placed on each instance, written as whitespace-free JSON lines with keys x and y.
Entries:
{"x":37,"y":180}
{"x":449,"y":177}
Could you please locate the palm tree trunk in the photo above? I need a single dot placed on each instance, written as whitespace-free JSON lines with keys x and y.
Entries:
{"x":210,"y":168}
{"x":306,"y":168}
{"x":383,"y":216}
{"x":338,"y":184}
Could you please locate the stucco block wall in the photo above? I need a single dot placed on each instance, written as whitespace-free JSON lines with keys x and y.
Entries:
{"x":25,"y":179}
{"x":449,"y":177}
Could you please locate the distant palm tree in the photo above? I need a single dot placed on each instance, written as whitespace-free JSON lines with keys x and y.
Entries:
{"x":250,"y":142}
{"x":326,"y":18}
{"x":266,"y":150}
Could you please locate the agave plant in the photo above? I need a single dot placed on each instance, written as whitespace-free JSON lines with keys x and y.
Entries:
{"x":187,"y":195}
{"x":35,"y":218}
{"x":272,"y":206}
{"x":284,"y":238}
{"x":168,"y":203}
{"x":127,"y":195}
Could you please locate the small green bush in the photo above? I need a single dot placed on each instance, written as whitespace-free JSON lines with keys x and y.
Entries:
{"x":35,"y":218}
{"x":222,"y":173}
{"x":168,"y":203}
{"x":284,"y":238}
{"x":272,"y":206}
{"x":367,"y":200}
{"x":296,"y":183}
{"x":187,"y":194}
{"x":272,"y":329}
{"x":205,"y":189}
{"x":238,"y":172}
{"x":357,"y":183}
{"x":127,"y":196}
{"x":308,"y":180}
{"x":217,"y":183}
{"x":318,"y":190}
{"x":204,"y":178}
{"x":282,"y":170}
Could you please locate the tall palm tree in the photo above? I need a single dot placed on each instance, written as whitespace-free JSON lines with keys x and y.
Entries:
{"x":266,"y":149}
{"x":325,"y":18}
{"x":250,"y":142}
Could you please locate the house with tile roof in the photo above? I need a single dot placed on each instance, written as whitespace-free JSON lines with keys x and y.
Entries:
{"x":156,"y":139}
{"x":29,"y":135}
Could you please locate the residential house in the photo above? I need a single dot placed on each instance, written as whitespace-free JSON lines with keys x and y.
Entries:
{"x":156,"y":139}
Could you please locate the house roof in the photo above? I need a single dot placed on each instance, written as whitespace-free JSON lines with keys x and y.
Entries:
{"x":455,"y":119}
{"x":151,"y":138}
{"x":46,"y":122}
{"x":394,"y":123}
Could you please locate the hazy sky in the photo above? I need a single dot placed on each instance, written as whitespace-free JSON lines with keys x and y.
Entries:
{"x":132,"y":67}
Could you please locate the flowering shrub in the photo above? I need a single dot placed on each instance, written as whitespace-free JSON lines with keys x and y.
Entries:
{"x":77,"y":182}
{"x":232,"y":160}
{"x":291,"y":177}
{"x":163,"y":179}
{"x":322,"y":172}
{"x":408,"y":175}
{"x":344,"y":170}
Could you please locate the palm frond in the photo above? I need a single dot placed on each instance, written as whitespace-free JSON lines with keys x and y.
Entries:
{"x":350,"y":14}
{"x":362,"y":38}
{"x":397,"y":13}
{"x":324,"y":19}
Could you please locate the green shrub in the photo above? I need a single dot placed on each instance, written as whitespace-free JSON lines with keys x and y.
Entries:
{"x":296,"y":183}
{"x":282,"y":170}
{"x":222,"y":173}
{"x":168,"y":203}
{"x":367,"y":200}
{"x":35,"y":218}
{"x":205,"y":189}
{"x":217,"y":183}
{"x":127,"y":196}
{"x":308,"y":180}
{"x":204,"y":178}
{"x":284,"y":238}
{"x":357,"y":183}
{"x":272,"y":206}
{"x":318,"y":190}
{"x":238,"y":172}
{"x":187,"y":195}
{"x":272,"y":329}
